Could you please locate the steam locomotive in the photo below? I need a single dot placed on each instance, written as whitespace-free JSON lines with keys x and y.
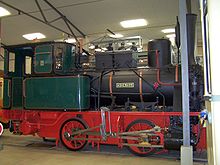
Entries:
{"x":48,"y":92}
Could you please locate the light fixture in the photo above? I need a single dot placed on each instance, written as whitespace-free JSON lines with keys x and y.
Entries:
{"x":170,"y":30}
{"x":105,"y":49}
{"x":92,"y":47}
{"x":171,"y":35}
{"x":97,"y":48}
{"x":133,"y":23}
{"x":4,"y":12}
{"x":117,"y":35}
{"x":34,"y":36}
{"x":70,"y":40}
{"x":129,"y":43}
{"x":134,"y":37}
{"x":171,"y":38}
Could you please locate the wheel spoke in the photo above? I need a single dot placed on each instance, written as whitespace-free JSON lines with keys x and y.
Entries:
{"x":75,"y":143}
{"x":81,"y":142}
{"x":139,"y":125}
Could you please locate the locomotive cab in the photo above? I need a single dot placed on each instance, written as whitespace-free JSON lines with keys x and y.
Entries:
{"x":56,"y":58}
{"x":33,"y":77}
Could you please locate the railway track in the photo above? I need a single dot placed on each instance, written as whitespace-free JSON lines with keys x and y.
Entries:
{"x":31,"y":142}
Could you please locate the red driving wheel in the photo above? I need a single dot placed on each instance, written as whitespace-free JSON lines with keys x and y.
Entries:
{"x":139,"y":125}
{"x":66,"y":137}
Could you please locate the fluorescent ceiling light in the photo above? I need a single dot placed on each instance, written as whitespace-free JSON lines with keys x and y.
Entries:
{"x":171,"y":38}
{"x":92,"y":47}
{"x":170,"y":30}
{"x":116,"y":35}
{"x":4,"y":12}
{"x":133,"y":23}
{"x":98,"y":49}
{"x":171,"y":35}
{"x":70,"y":40}
{"x":34,"y":36}
{"x":129,"y":43}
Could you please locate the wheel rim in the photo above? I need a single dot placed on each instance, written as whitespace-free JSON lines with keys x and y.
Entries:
{"x":1,"y":129}
{"x":139,"y":125}
{"x":66,"y":131}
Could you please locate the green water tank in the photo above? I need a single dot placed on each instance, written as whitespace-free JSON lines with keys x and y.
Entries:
{"x":69,"y":92}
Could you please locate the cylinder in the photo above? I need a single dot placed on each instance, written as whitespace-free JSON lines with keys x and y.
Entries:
{"x":164,"y":48}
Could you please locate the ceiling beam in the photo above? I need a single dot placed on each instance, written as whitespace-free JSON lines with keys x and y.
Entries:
{"x":64,"y":18}
{"x":38,"y":19}
{"x":41,"y":11}
{"x":67,"y":22}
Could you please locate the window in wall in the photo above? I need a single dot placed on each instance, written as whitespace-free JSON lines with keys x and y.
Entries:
{"x":59,"y":58}
{"x":28,"y":65}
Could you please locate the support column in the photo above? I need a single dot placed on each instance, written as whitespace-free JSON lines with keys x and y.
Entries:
{"x":186,"y":149}
{"x":1,"y":126}
{"x":213,"y":134}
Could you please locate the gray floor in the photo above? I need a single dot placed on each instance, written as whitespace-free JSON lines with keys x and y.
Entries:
{"x":28,"y":150}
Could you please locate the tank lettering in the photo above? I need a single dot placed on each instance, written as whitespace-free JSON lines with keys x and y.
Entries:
{"x":125,"y":85}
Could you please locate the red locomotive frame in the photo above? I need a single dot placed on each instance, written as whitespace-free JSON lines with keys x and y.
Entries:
{"x":61,"y":125}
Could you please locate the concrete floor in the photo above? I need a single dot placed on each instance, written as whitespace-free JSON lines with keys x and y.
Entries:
{"x":28,"y":150}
